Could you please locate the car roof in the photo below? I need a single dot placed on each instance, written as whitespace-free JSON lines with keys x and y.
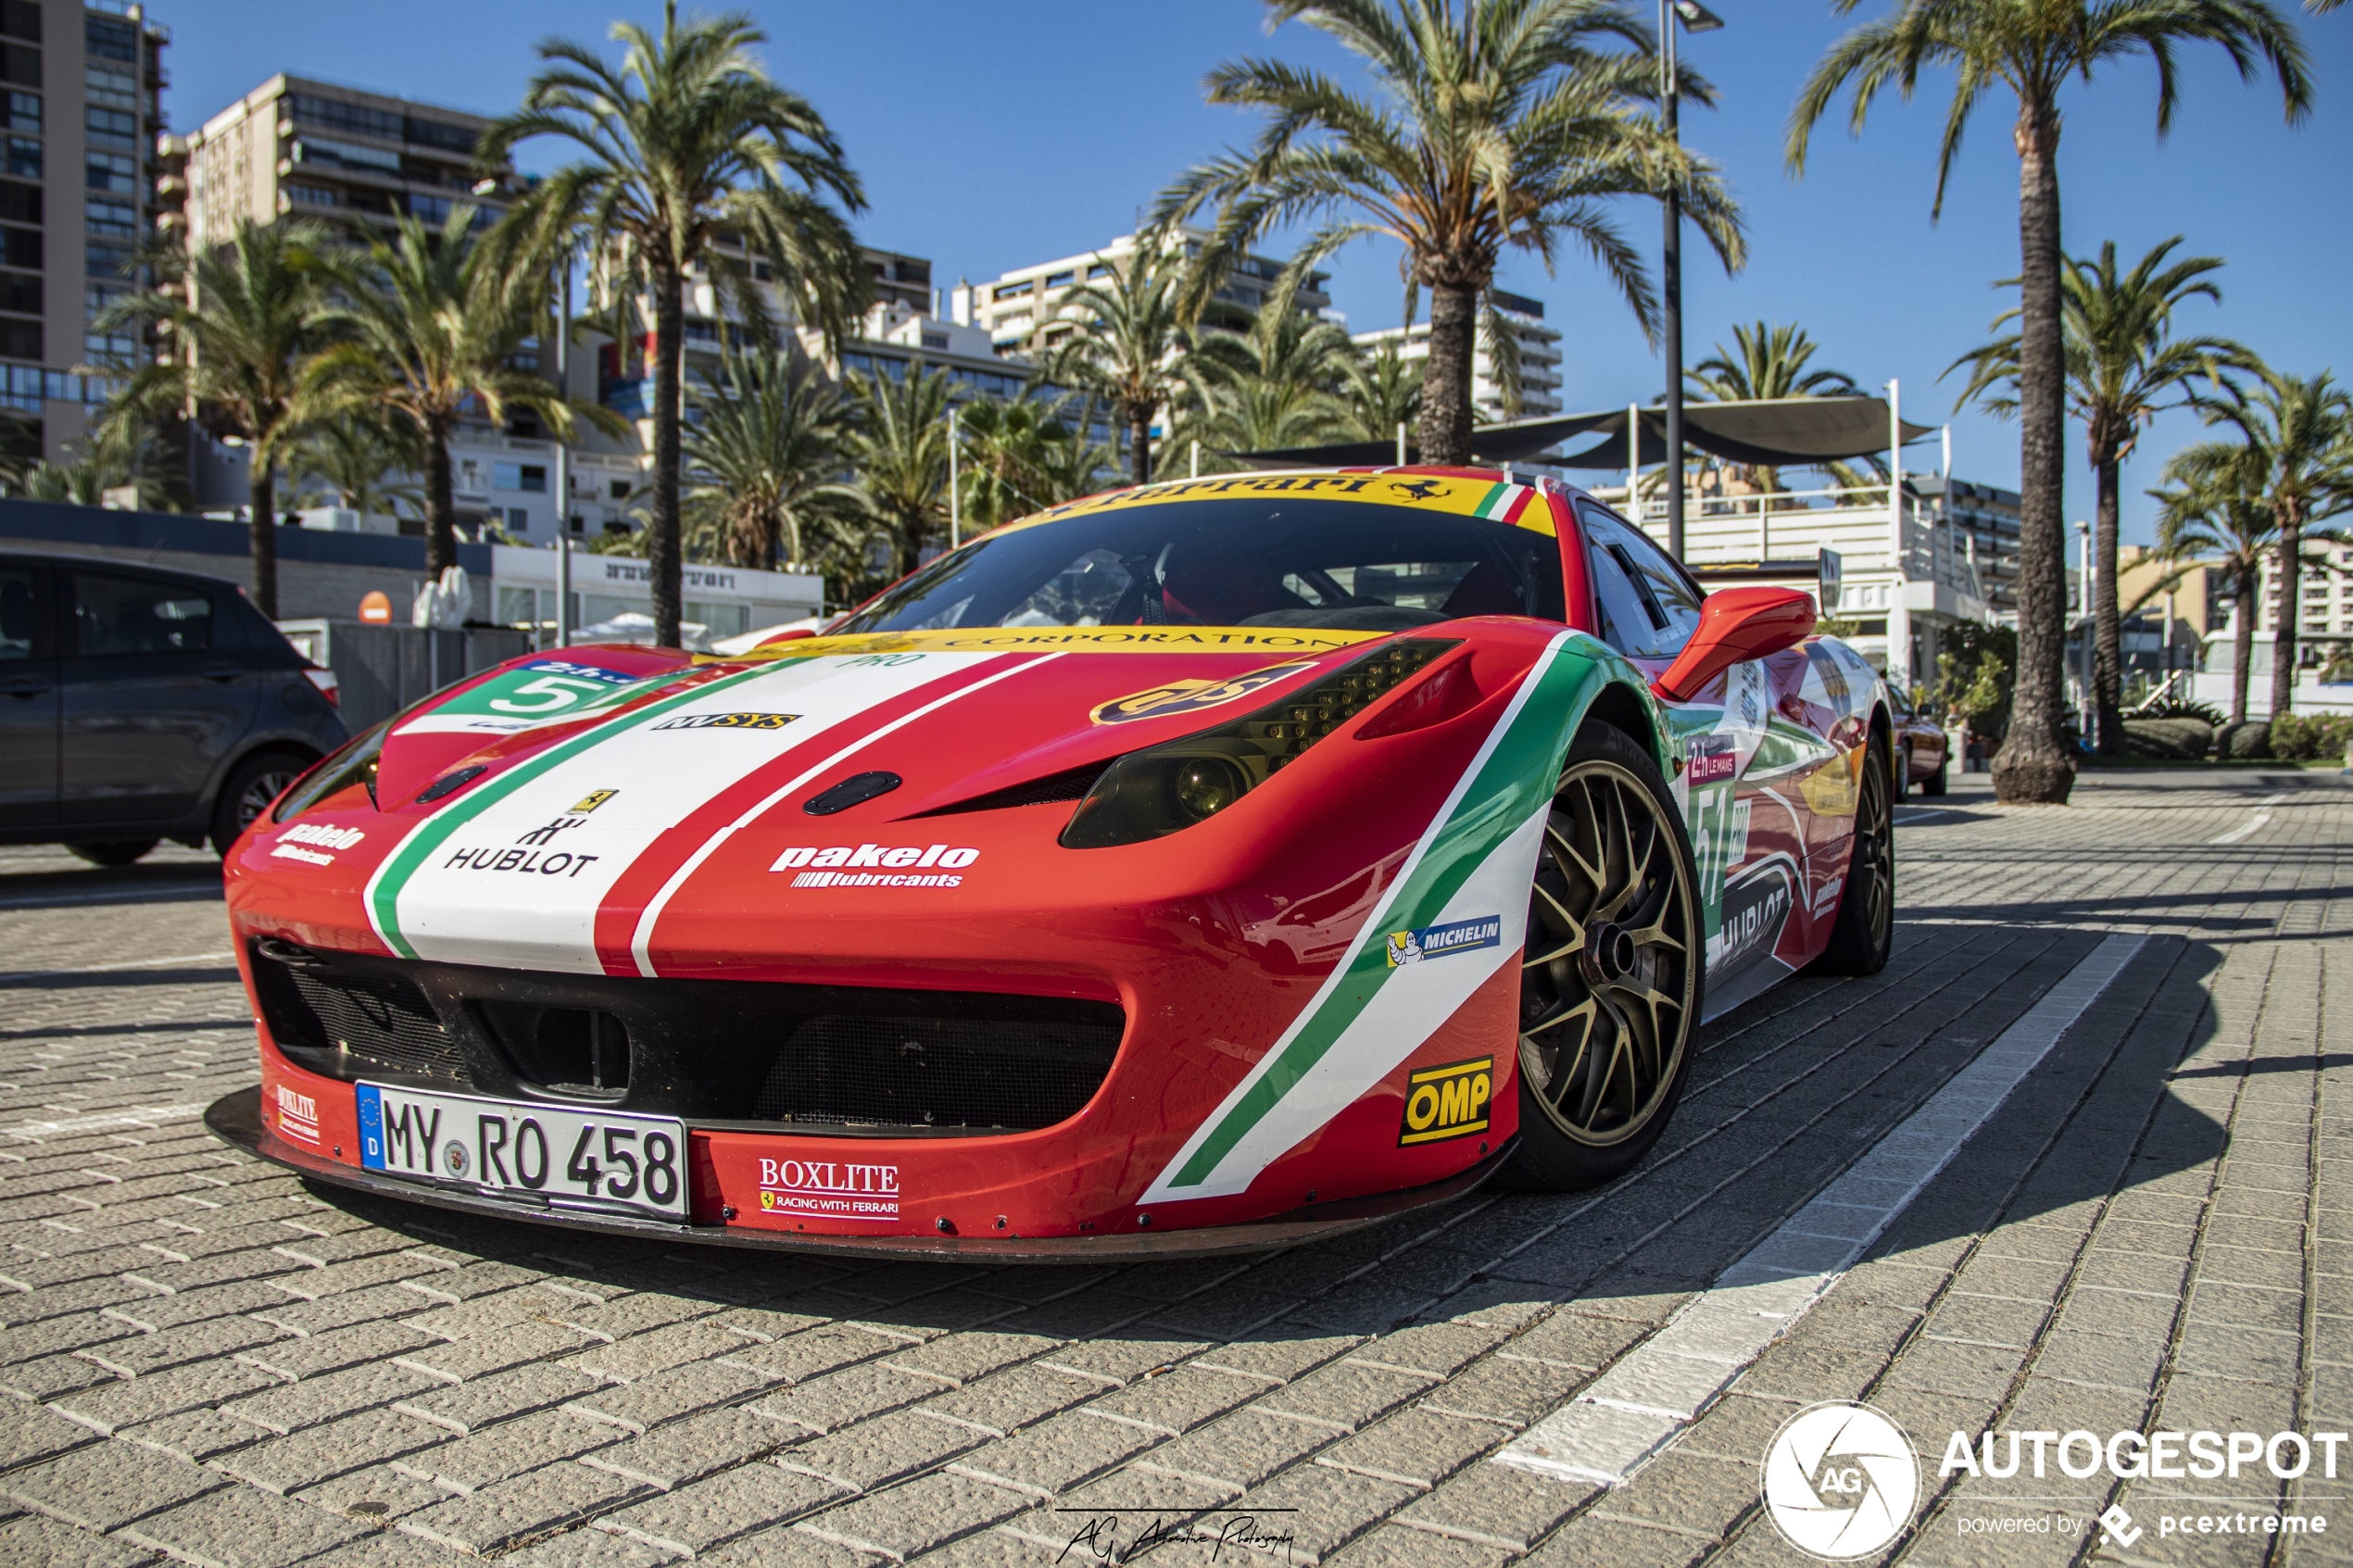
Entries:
{"x":112,"y":563}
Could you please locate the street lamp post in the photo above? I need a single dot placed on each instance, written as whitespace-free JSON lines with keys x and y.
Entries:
{"x":1697,"y":19}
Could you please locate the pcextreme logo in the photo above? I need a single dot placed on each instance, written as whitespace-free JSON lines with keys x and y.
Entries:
{"x":1841,"y":1480}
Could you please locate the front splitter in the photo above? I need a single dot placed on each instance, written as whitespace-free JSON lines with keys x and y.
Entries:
{"x":235,"y":1119}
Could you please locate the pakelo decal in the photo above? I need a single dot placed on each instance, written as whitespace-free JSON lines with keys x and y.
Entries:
{"x":308,"y":842}
{"x":901,"y":866}
{"x":1190,"y":696}
{"x":1447,"y":1102}
{"x":1438,"y":941}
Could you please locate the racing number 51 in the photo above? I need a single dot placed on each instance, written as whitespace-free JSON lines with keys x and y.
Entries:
{"x":660,"y":1173}
{"x":556,"y":691}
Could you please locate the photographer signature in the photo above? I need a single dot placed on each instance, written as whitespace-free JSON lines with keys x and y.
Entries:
{"x":1100,"y":1538}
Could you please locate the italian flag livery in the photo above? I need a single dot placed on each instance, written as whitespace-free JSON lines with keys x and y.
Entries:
{"x":1152,"y":874}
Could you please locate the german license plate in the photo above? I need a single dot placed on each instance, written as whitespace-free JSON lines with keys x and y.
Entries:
{"x":544,"y":1152}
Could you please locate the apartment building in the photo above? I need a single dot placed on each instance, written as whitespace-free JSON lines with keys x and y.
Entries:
{"x":1983,"y":522}
{"x":1540,"y":358}
{"x":314,"y":149}
{"x":1022,"y":311}
{"x":80,"y":84}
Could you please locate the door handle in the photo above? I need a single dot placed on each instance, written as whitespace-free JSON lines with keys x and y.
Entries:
{"x":24,"y":686}
{"x":221,"y":671}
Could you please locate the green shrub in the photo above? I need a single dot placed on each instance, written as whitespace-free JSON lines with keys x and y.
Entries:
{"x":2182,"y":707}
{"x":2248,"y":742}
{"x":2302,"y":736}
{"x":2171,"y":740}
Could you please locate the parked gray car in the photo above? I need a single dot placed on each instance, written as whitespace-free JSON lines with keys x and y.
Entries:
{"x":138,"y":704}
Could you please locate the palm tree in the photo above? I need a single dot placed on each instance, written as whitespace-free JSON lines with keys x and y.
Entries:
{"x":2294,"y":450}
{"x":1497,"y":124}
{"x":239,"y":321}
{"x":354,"y":458}
{"x":767,"y":459}
{"x":2124,"y":367}
{"x":2216,"y":512}
{"x":1132,"y":345}
{"x":1022,"y":457}
{"x":690,"y":155}
{"x":429,"y":329}
{"x":2034,"y":49}
{"x":1769,"y":361}
{"x":1384,"y":391}
{"x":901,"y":456}
{"x":1277,"y":384}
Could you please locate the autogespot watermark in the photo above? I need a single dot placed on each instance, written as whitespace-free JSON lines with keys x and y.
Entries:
{"x":1842,"y":1480}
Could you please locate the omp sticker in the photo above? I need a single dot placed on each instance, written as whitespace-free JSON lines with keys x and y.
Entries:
{"x":507,"y":874}
{"x":1477,"y":856}
{"x":1190,"y":696}
{"x":1436,"y":941}
{"x":530,"y":693}
{"x":1446,"y":1102}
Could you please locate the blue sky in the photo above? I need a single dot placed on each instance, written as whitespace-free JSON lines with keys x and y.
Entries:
{"x":994,"y":136}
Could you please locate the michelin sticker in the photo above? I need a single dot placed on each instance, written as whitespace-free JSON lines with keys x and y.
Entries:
{"x":1438,"y":941}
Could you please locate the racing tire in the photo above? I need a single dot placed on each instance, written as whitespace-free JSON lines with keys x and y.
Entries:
{"x":1903,"y":774}
{"x":248,"y":792}
{"x":112,"y":851}
{"x":1865,"y":929}
{"x":1935,"y":783}
{"x":1611,"y":977}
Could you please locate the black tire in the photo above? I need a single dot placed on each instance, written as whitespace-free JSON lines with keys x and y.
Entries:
{"x":1608,"y":1006}
{"x":1935,"y":783}
{"x":1866,"y":926}
{"x":113,"y":851}
{"x":251,"y":786}
{"x":1903,"y":773}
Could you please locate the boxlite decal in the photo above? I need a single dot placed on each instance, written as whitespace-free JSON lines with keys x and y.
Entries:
{"x":1447,"y":1102}
{"x":829,"y":1189}
{"x":297,"y":1116}
{"x":1438,"y":941}
{"x":1189,"y":696}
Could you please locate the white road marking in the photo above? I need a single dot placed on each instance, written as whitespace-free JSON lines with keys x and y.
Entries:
{"x":1632,"y":1412}
{"x":145,"y":1115}
{"x":20,"y":976}
{"x":2258,"y":822}
{"x":1906,"y":819}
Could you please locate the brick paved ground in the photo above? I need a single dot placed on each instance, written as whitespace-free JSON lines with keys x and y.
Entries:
{"x":206,"y":1360}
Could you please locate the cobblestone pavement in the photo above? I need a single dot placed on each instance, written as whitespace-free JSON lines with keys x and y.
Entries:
{"x":205,"y":1359}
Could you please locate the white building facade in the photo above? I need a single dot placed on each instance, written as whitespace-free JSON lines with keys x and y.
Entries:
{"x":1540,"y":359}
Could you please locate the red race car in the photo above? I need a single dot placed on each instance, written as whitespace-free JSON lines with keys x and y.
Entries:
{"x":1201,"y":866}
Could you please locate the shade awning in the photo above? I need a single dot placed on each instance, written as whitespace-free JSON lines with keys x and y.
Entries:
{"x":1772,"y":432}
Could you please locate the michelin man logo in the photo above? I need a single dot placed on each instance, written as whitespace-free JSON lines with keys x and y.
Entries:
{"x":1841,"y":1480}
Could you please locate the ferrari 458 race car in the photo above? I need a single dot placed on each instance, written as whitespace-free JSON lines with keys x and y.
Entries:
{"x":1200,"y":866}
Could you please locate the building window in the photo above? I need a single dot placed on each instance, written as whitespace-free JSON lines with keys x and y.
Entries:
{"x":116,"y":88}
{"x":19,"y":294}
{"x":430,"y":209}
{"x":114,"y":219}
{"x":111,"y":172}
{"x":20,"y":247}
{"x":1061,"y":279}
{"x":1010,"y":291}
{"x":310,"y":195}
{"x":24,"y":112}
{"x":111,"y":127}
{"x":109,"y":259}
{"x":24,"y":157}
{"x":20,"y":340}
{"x":1097,"y":269}
{"x":107,"y":40}
{"x":316,"y":149}
{"x":347,"y":117}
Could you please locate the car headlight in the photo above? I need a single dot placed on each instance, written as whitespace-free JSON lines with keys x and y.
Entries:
{"x":356,"y":764}
{"x":1165,"y":788}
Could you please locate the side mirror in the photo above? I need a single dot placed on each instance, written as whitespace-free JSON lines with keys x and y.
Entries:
{"x":1735,"y":625}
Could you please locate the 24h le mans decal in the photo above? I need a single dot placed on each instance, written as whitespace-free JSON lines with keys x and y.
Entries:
{"x":1475,"y":859}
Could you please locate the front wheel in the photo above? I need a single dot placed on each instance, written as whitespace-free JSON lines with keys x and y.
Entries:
{"x":1866,"y":926}
{"x":113,"y":851}
{"x":1610,"y":978}
{"x":248,"y":792}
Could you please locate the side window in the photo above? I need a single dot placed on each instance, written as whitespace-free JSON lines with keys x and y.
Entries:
{"x":1649,"y":610}
{"x":113,"y":615}
{"x":18,"y":604}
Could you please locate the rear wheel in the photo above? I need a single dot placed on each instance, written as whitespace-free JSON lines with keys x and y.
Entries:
{"x":1904,"y":770}
{"x":1610,"y":979}
{"x":113,"y":851}
{"x":1934,"y":783}
{"x":1866,"y":926}
{"x":248,"y":792}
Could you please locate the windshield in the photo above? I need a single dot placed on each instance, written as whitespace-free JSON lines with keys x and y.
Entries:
{"x":1275,"y":560}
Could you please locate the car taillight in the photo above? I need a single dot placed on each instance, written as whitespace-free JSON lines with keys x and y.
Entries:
{"x":329,"y":688}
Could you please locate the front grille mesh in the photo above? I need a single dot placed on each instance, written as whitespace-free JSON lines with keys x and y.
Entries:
{"x":850,"y":1071}
{"x":383,"y":1021}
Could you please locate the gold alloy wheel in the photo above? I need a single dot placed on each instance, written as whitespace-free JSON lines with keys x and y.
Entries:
{"x":1607,"y":981}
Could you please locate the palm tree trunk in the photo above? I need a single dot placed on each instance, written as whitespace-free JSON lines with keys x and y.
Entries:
{"x":1140,"y":444}
{"x":263,"y":498}
{"x":441,"y":505}
{"x":2033,"y":767}
{"x":662,"y":542}
{"x":2242,"y":642}
{"x":2108,"y":649}
{"x":2287,"y":567}
{"x":1446,"y":375}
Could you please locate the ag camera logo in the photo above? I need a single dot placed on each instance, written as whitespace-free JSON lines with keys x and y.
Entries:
{"x":1841,"y":1480}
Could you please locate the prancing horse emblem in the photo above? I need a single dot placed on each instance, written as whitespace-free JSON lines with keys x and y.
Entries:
{"x":1415,"y":490}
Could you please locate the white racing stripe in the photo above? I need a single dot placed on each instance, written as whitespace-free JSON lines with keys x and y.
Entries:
{"x":640,"y":944}
{"x":2254,"y":825}
{"x":1631,"y":1412}
{"x":520,"y":884}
